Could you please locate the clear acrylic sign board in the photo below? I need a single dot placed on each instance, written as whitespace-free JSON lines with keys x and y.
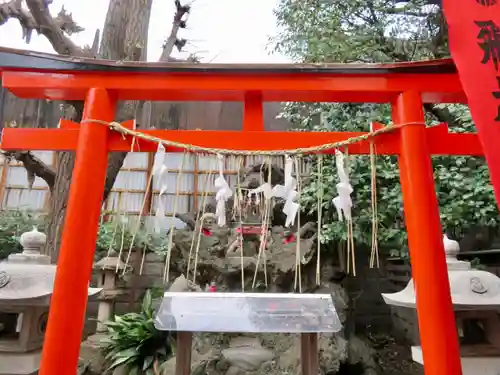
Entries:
{"x":247,"y":312}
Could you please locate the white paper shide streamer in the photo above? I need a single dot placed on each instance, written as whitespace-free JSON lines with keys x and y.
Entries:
{"x":343,"y":201}
{"x":288,"y":192}
{"x":265,"y":189}
{"x":224,"y":192}
{"x":160,"y":174}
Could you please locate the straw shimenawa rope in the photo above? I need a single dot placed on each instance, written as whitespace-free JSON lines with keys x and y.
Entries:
{"x":298,"y":151}
{"x":116,"y":126}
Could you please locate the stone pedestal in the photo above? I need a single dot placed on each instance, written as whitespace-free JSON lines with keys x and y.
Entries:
{"x":475,"y":296}
{"x":470,"y":365}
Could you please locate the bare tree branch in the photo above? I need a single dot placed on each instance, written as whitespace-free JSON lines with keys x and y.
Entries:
{"x":441,"y":114}
{"x":13,"y":9}
{"x":34,"y":167}
{"x":55,"y":29}
{"x":38,"y":18}
{"x":173,"y":39}
{"x":405,"y":12}
{"x":136,"y":34}
{"x":94,"y":49}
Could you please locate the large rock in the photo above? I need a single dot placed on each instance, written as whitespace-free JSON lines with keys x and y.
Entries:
{"x":247,"y":353}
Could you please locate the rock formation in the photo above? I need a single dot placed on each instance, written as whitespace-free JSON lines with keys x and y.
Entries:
{"x":220,"y":258}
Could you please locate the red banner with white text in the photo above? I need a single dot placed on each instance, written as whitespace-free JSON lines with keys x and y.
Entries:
{"x":474,"y":41}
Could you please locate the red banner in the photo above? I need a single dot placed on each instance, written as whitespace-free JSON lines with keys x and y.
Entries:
{"x":474,"y":41}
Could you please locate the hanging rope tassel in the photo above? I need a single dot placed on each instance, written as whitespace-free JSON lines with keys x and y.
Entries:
{"x":197,"y":250}
{"x":143,"y":206}
{"x":123,"y":219}
{"x":264,"y":228}
{"x":200,"y":218}
{"x":239,"y":197}
{"x":351,"y":251}
{"x":374,"y":256}
{"x":166,"y":270}
{"x":351,"y":246}
{"x":115,"y":229}
{"x":320,"y":214}
{"x":348,"y":247}
{"x":298,"y":255}
{"x":268,"y":222}
{"x":138,"y":223}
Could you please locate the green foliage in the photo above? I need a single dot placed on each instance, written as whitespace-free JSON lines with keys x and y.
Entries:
{"x":135,"y":343}
{"x":120,"y":234}
{"x":379,"y":31}
{"x":13,"y":223}
{"x":463,"y":185}
{"x":344,"y":117}
{"x":112,"y":235}
{"x":477,"y":265}
{"x":359,"y":31}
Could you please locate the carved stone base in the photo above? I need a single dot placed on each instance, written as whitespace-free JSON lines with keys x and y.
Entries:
{"x":470,"y":365}
{"x":20,"y":363}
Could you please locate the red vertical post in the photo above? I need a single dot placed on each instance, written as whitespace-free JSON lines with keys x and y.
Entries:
{"x":253,"y":114}
{"x":69,"y":300}
{"x":436,"y":319}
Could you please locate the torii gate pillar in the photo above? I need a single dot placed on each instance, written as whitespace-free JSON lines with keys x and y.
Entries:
{"x":436,"y":319}
{"x":69,"y":301}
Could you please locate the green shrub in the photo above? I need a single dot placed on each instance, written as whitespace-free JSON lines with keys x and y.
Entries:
{"x":116,"y":235}
{"x":13,"y":223}
{"x":135,"y":343}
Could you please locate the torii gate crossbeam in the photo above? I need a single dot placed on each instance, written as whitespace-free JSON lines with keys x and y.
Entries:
{"x":102,"y":84}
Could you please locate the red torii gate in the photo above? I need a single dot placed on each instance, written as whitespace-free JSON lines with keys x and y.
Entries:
{"x":102,"y":83}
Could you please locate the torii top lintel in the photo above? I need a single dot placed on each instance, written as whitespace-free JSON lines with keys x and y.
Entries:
{"x":38,"y":75}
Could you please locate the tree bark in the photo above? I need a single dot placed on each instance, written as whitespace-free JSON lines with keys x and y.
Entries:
{"x":125,"y":36}
{"x":125,"y":30}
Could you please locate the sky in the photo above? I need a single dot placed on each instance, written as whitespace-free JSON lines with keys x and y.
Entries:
{"x":223,"y":31}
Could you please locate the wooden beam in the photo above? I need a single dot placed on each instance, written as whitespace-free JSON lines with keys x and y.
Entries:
{"x":440,"y":141}
{"x":183,"y":355}
{"x":325,"y":87}
{"x":253,"y":113}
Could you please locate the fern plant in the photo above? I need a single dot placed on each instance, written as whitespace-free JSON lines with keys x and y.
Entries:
{"x":135,"y":343}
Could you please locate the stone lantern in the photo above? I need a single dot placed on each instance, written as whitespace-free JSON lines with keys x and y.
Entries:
{"x":26,"y":285}
{"x":107,"y":270}
{"x":475,"y":296}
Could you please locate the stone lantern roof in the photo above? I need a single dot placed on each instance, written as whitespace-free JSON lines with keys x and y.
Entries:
{"x":111,"y":262}
{"x":471,"y":289}
{"x":28,"y":278}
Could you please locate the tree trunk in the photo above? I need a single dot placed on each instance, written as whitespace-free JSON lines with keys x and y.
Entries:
{"x":121,"y":40}
{"x":58,"y":201}
{"x":125,"y":36}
